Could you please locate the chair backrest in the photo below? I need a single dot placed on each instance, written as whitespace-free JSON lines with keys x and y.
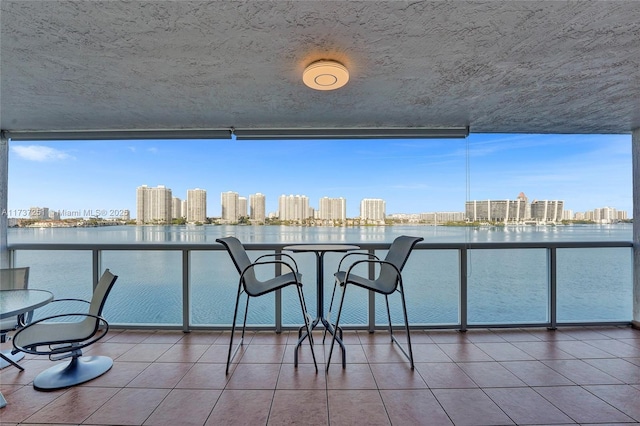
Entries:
{"x":102,"y":290}
{"x":239,"y":256}
{"x":398,"y":255}
{"x":13,"y":279}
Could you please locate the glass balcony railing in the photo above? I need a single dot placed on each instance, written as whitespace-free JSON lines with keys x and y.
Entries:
{"x":448,"y":285}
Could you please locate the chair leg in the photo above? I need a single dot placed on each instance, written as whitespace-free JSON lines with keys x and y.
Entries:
{"x":244,"y":322}
{"x":333,"y":295}
{"x":233,"y":330}
{"x":406,"y":324}
{"x":305,"y":317}
{"x":333,"y":340}
{"x":386,"y":299}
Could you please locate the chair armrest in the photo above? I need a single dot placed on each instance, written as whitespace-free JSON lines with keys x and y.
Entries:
{"x":279,"y":254}
{"x":71,"y":300}
{"x":356,"y":254}
{"x":270,"y":262}
{"x":69,"y":344}
{"x":378,"y":262}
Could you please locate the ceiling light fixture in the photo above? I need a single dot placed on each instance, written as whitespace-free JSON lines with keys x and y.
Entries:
{"x":325,"y":75}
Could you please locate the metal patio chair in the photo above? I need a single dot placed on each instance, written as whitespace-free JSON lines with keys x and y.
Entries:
{"x":64,"y":336}
{"x":254,"y":287}
{"x":388,"y":281}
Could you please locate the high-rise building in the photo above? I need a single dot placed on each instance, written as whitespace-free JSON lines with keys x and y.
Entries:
{"x":230,"y":207}
{"x":293,"y":207}
{"x":257,"y":207}
{"x":196,"y":205}
{"x":176,"y":208}
{"x":332,"y":209}
{"x":39,"y":213}
{"x":499,"y":210}
{"x":373,"y":209}
{"x":153,"y":205}
{"x":547,"y":211}
{"x":242,"y":207}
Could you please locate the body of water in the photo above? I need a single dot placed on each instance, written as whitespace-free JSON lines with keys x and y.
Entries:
{"x":504,"y":286}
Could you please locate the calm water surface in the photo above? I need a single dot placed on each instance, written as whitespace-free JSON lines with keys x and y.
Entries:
{"x":504,"y":285}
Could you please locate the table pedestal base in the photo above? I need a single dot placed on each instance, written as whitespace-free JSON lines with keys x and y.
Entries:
{"x":302,"y":334}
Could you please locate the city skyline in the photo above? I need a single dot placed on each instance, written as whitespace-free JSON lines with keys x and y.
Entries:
{"x":412,"y":176}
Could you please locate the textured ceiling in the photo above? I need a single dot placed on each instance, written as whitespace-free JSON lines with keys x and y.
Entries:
{"x":495,"y":66}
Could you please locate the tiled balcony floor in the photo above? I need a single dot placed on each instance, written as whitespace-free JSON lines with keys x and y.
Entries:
{"x":481,"y":377}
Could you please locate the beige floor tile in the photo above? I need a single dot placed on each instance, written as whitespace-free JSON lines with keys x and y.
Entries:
{"x":462,"y":352}
{"x":241,"y":408}
{"x":355,"y":376}
{"x":73,"y":406}
{"x":145,"y":352}
{"x":255,"y":376}
{"x":397,"y":376}
{"x":162,"y":375}
{"x":621,"y":369}
{"x":440,"y":375}
{"x":356,"y":407}
{"x":184,"y":353}
{"x":24,"y":403}
{"x":525,"y":406}
{"x":543,"y":350}
{"x":467,"y":407}
{"x":624,"y":398}
{"x":263,"y":354}
{"x":184,"y":407}
{"x":582,"y":406}
{"x":304,"y":407}
{"x":490,"y":374}
{"x":582,"y":373}
{"x":535,"y":373}
{"x":204,"y":376}
{"x":128,"y":407}
{"x":120,"y":375}
{"x":302,"y":377}
{"x":413,"y":407}
{"x":428,"y":353}
{"x":504,"y":351}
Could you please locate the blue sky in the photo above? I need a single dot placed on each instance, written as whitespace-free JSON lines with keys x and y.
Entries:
{"x":413,"y":176}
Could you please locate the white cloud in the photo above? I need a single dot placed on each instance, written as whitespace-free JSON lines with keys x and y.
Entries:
{"x":40,"y":153}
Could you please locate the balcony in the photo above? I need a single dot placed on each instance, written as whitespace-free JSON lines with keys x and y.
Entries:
{"x":549,"y":368}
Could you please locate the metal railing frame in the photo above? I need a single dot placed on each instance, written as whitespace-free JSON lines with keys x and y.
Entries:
{"x":463,"y":250}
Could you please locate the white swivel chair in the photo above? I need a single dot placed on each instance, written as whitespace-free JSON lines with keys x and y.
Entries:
{"x":58,"y":338}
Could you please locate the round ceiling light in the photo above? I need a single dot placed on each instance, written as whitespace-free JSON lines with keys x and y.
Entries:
{"x":325,"y":75}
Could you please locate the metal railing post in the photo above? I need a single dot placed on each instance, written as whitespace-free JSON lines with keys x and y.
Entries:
{"x":186,"y":290}
{"x":553,"y":288}
{"x":278,"y":297}
{"x":463,"y":289}
{"x":96,"y":256}
{"x":372,"y":297}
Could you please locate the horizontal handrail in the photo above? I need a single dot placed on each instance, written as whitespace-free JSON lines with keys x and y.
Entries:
{"x":279,"y":246}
